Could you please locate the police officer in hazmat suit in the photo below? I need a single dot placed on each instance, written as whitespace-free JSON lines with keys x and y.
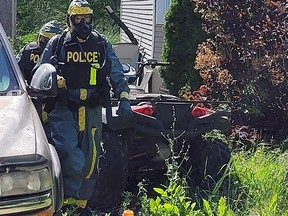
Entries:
{"x":87,"y":67}
{"x":30,"y":54}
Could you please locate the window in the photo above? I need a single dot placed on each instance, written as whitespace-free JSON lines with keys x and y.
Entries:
{"x":7,"y":79}
{"x":161,"y":9}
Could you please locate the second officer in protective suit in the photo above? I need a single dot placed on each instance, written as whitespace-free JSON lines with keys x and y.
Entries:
{"x":87,"y":67}
{"x":30,"y":54}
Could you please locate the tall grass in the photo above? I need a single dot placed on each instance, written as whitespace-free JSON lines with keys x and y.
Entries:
{"x":255,"y":184}
{"x":263,"y":182}
{"x":172,"y":199}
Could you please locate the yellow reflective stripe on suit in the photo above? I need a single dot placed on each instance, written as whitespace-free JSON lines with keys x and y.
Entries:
{"x":83,"y":94}
{"x":93,"y":74}
{"x":82,"y":118}
{"x":93,"y":163}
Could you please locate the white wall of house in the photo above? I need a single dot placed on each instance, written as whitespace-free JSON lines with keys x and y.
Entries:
{"x":138,"y":15}
{"x":145,"y":19}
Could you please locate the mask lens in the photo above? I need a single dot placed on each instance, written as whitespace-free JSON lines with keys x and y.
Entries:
{"x":82,"y":25}
{"x":77,"y":18}
{"x":43,"y":39}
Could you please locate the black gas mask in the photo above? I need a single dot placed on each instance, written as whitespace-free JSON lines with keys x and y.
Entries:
{"x":82,"y":29}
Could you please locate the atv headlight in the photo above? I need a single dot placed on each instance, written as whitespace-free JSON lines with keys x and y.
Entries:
{"x":25,"y":182}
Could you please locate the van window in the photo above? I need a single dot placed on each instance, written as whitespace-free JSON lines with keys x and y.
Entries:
{"x":7,"y":78}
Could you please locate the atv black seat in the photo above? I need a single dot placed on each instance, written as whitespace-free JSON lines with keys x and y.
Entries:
{"x":177,"y":113}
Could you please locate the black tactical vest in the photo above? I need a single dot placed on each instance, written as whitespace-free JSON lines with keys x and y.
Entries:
{"x":85,"y":64}
{"x":29,"y":58}
{"x":34,"y":52}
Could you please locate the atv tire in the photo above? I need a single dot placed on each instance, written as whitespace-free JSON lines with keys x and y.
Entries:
{"x":207,"y":162}
{"x":112,"y":173}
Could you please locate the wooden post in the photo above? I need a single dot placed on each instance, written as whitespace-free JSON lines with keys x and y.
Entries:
{"x":8,"y":17}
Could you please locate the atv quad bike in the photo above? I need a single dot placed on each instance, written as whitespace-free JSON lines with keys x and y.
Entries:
{"x":159,"y":119}
{"x":142,"y":145}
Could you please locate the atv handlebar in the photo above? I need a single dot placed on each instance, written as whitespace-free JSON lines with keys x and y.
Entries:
{"x":152,"y":63}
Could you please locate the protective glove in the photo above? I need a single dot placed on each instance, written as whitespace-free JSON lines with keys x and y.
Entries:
{"x":124,"y":110}
{"x":61,"y":82}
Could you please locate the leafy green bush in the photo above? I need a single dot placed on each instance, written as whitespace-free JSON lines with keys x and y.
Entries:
{"x":32,"y":14}
{"x":182,"y":34}
{"x":23,"y":40}
{"x":245,"y":60}
{"x":172,"y":201}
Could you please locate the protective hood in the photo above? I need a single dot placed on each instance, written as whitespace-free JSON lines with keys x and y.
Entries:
{"x":46,"y":32}
{"x":82,"y":30}
{"x":50,"y":29}
{"x":79,"y":7}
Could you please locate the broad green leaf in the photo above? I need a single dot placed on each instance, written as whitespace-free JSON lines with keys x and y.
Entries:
{"x":178,"y":189}
{"x":160,"y":191}
{"x":171,"y":208}
{"x":158,"y":201}
{"x":187,"y":205}
{"x":153,"y":206}
{"x":221,"y":207}
{"x":207,"y":207}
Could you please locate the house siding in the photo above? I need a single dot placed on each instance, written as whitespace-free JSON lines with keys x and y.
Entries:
{"x":140,"y":18}
{"x":145,"y":19}
{"x":139,"y":15}
{"x":157,"y":82}
{"x":158,"y":41}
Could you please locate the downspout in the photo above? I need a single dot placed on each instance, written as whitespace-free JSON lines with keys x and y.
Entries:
{"x":153,"y":28}
{"x":121,"y":31}
{"x":14,"y":18}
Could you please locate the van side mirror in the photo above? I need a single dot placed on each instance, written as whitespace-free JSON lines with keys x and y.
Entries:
{"x":44,"y":81}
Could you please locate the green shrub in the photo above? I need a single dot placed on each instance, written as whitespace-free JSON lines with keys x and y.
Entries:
{"x":182,"y":34}
{"x":23,"y":40}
